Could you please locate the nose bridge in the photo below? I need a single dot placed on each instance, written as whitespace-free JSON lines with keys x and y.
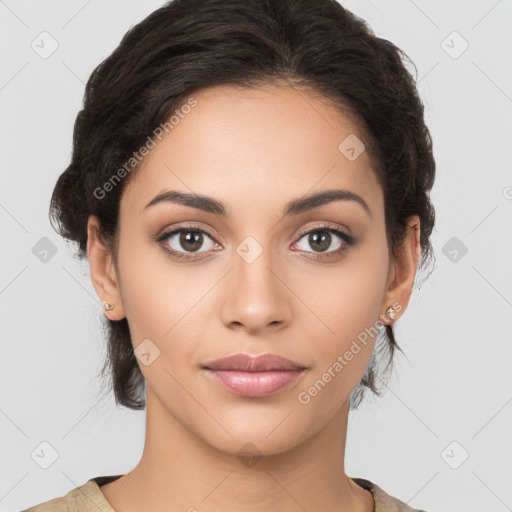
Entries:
{"x":256,"y":295}
{"x":253,"y":262}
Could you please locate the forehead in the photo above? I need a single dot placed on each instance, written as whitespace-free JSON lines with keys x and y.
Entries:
{"x":256,"y":144}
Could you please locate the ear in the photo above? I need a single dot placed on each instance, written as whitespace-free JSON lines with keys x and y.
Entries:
{"x":402,"y":272}
{"x":102,"y":270}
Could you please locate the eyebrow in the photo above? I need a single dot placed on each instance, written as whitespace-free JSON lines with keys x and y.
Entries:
{"x":294,"y":207}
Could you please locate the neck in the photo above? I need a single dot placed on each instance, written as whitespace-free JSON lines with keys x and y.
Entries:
{"x":179,"y":471}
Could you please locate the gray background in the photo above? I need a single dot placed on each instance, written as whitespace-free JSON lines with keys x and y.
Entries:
{"x":454,"y":384}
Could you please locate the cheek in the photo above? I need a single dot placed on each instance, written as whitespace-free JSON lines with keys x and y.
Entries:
{"x":162,"y":301}
{"x":342,"y":332}
{"x":347,"y":299}
{"x":147,"y":292}
{"x":342,"y":355}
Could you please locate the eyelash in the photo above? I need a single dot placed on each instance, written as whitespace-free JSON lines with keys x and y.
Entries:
{"x":348,"y":241}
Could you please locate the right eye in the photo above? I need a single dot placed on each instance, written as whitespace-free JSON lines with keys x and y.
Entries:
{"x":184,"y":241}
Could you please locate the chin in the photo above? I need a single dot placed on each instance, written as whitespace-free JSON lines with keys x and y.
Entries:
{"x":250,"y":448}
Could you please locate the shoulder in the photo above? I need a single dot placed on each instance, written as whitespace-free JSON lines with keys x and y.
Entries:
{"x":383,"y":501}
{"x":80,"y":499}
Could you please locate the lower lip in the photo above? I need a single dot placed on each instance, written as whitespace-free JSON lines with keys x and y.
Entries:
{"x":254,"y":384}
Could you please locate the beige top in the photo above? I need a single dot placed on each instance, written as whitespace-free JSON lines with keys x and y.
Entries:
{"x":89,"y":498}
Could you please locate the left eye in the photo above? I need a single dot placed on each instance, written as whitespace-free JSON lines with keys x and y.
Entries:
{"x":321,"y":239}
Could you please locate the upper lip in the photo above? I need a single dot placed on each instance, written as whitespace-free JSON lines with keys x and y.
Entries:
{"x":248,"y":363}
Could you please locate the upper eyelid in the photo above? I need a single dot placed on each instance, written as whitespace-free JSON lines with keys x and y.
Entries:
{"x":327,"y":226}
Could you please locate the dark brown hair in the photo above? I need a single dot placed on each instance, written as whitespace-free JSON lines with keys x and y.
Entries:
{"x":189,"y":45}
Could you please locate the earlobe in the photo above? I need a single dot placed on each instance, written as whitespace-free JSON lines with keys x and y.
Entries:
{"x":103,"y":273}
{"x":401,"y":280}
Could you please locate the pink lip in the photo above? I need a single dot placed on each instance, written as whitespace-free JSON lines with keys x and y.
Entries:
{"x":254,"y":384}
{"x":250,"y":376}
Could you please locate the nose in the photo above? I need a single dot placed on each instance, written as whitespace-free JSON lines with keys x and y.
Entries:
{"x":255,"y":296}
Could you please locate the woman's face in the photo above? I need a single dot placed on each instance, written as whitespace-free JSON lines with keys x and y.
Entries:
{"x":254,"y":284}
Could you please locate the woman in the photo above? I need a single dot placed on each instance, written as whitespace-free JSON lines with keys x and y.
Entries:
{"x":250,"y":183}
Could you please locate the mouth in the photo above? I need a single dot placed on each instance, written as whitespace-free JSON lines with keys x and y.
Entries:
{"x":249,"y":376}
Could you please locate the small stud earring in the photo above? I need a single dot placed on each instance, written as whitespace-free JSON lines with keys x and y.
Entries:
{"x":107,"y":306}
{"x":390,"y":312}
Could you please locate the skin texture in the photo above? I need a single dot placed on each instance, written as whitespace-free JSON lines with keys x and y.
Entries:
{"x":254,"y":150}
